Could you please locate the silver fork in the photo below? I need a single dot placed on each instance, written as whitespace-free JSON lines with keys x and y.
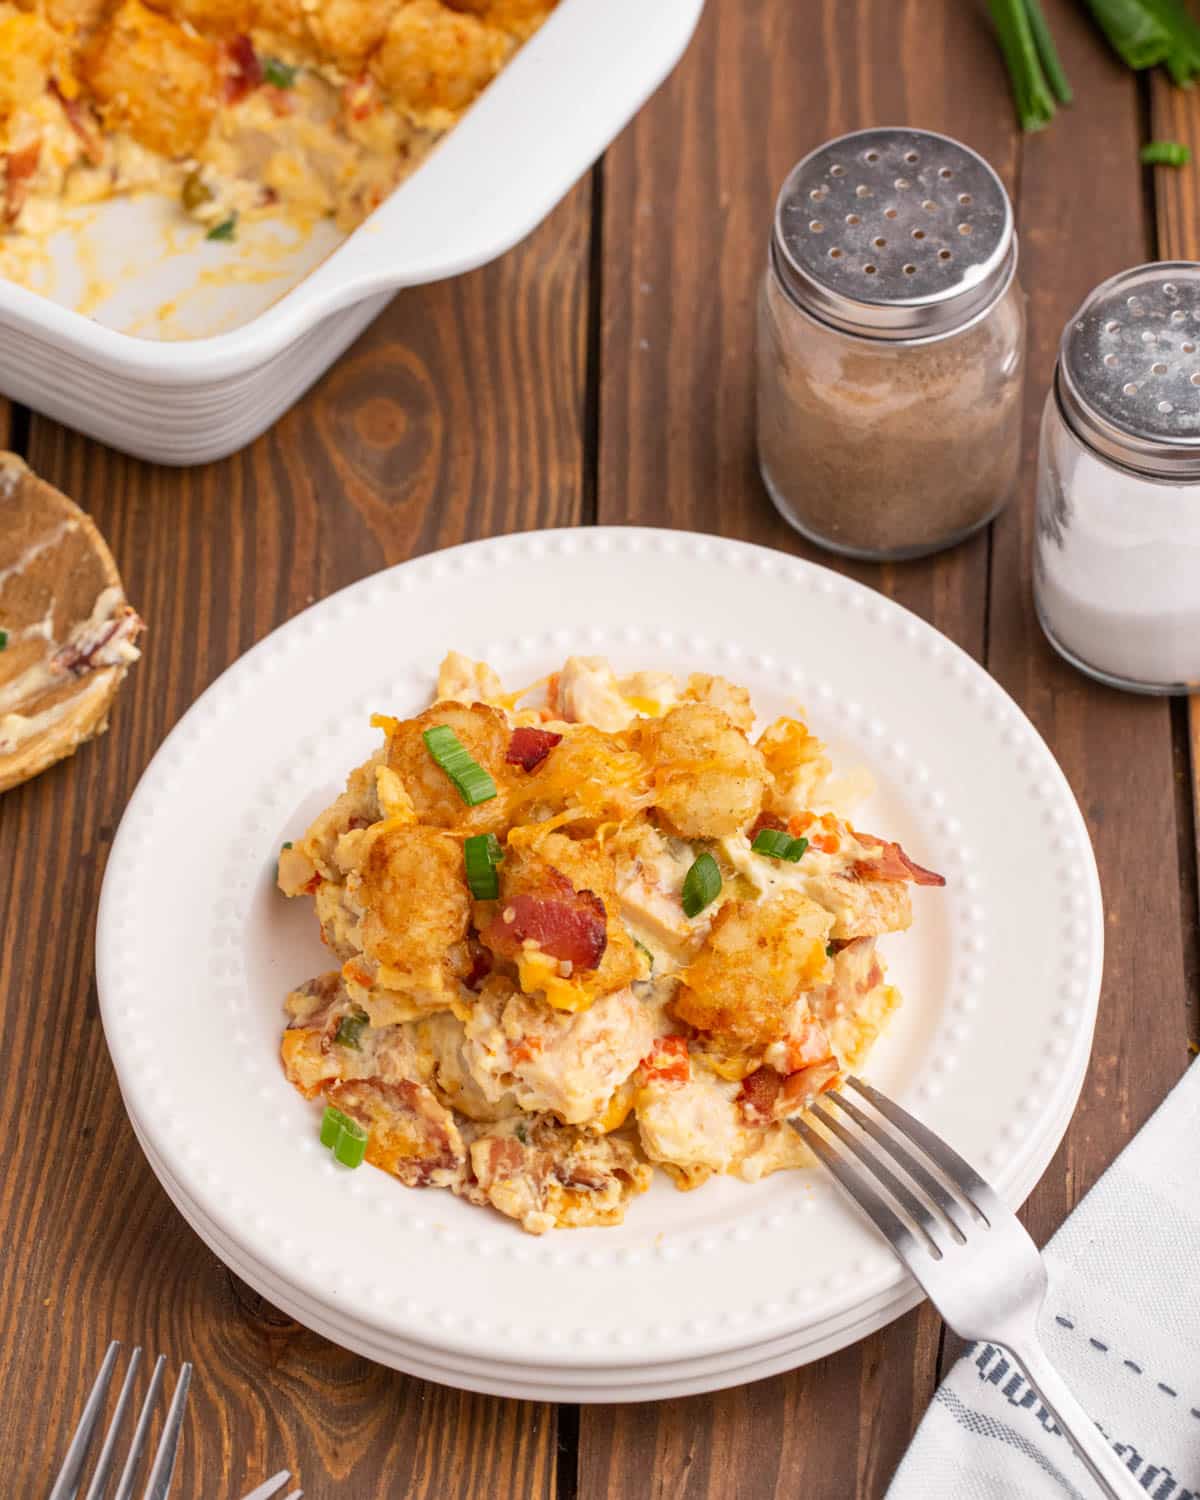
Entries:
{"x":968,"y":1251}
{"x":162,"y":1469}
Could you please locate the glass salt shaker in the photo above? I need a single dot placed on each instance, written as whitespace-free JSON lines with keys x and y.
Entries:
{"x":1117,"y":548}
{"x":891,"y":345}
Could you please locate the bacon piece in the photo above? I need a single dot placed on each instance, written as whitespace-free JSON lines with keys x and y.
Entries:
{"x":766,"y":1096}
{"x":569,"y":925}
{"x":243,"y":71}
{"x":757,"y":1095}
{"x":19,"y":168}
{"x":412,"y":1135}
{"x":81,"y":122}
{"x":891,"y":863}
{"x":766,"y":820}
{"x":481,"y":967}
{"x":528,"y":748}
{"x":667,"y":1061}
{"x":105,"y":645}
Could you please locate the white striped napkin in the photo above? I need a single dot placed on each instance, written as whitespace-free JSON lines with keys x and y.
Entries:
{"x":1123,"y":1327}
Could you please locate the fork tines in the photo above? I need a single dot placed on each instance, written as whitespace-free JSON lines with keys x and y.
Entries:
{"x":920,"y":1193}
{"x":158,"y":1483}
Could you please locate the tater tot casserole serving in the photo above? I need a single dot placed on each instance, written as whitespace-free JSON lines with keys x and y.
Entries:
{"x":579,"y":932}
{"x":305,"y":108}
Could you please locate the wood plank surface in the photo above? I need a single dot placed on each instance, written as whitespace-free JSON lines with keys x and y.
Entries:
{"x":1175,"y":116}
{"x":603,"y":370}
{"x":700,"y":168}
{"x":459,"y":414}
{"x":1079,"y":227}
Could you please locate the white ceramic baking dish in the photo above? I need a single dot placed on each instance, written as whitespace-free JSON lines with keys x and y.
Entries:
{"x":512,"y":157}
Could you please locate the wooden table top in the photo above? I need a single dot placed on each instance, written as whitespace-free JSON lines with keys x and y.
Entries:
{"x":599,"y":373}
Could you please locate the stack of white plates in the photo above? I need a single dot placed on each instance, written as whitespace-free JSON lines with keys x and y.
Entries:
{"x":195,"y":951}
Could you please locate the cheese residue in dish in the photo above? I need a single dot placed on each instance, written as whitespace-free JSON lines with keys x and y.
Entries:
{"x":542,"y":1047}
{"x":239,"y":109}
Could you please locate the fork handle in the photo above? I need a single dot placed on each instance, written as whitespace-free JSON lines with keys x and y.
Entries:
{"x":1093,"y":1448}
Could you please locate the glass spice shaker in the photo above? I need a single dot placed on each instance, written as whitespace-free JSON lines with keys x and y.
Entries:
{"x":1117,"y":548}
{"x":891,"y":345}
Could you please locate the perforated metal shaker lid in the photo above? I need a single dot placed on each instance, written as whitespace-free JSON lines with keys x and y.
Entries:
{"x":1128,"y":377}
{"x":894,"y":233}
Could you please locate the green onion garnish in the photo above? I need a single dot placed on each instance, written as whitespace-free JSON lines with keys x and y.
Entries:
{"x":773,"y":842}
{"x":521,"y":1133}
{"x":646,"y":954}
{"x":776,"y":844}
{"x":344,"y":1137}
{"x":350,"y":1029}
{"x":3,"y":639}
{"x":473,"y":782}
{"x":279,"y":75}
{"x":1165,"y":154}
{"x":701,"y":885}
{"x":483,"y":853}
{"x":1031,"y":92}
{"x":224,"y":230}
{"x":287,"y":844}
{"x":830,"y":951}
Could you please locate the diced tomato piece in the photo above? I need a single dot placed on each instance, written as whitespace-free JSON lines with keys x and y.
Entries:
{"x":528,"y":747}
{"x":668,"y":1060}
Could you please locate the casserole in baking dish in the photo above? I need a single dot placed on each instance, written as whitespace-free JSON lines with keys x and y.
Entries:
{"x":126,"y":306}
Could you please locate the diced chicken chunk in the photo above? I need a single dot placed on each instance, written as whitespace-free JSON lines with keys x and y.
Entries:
{"x":553,"y":1060}
{"x":587,"y":692}
{"x":461,"y":680}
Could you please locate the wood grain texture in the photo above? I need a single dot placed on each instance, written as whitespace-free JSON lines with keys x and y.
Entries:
{"x":459,"y":414}
{"x":1175,"y":116}
{"x":1115,"y":748}
{"x":688,"y":198}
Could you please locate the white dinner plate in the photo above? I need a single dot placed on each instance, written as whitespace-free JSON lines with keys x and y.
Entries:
{"x":195,"y":950}
{"x":544,"y":1381}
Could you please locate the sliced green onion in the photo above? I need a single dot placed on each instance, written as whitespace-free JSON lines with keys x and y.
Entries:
{"x":1047,"y":52}
{"x":287,"y":844}
{"x":1136,"y":35}
{"x":521,"y":1133}
{"x":350,"y":1029}
{"x":344,"y":1137}
{"x":773,"y":842}
{"x":224,"y":230}
{"x":646,"y":954}
{"x":482,"y":853}
{"x":830,"y":951}
{"x":701,"y":885}
{"x":473,"y":782}
{"x":279,"y":75}
{"x":1031,"y":92}
{"x":3,"y":639}
{"x":1165,"y":154}
{"x":776,"y":844}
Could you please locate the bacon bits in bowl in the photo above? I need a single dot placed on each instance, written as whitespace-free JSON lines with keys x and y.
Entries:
{"x":576,"y":922}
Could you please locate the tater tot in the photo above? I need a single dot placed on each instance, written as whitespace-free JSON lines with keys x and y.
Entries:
{"x":412,"y":891}
{"x":709,"y":780}
{"x":758,"y":957}
{"x":484,"y":734}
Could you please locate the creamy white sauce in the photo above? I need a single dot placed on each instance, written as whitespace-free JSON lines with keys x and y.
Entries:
{"x":16,"y":728}
{"x":49,"y":673}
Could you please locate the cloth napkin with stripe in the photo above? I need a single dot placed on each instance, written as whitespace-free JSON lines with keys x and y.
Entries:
{"x":1122,"y":1324}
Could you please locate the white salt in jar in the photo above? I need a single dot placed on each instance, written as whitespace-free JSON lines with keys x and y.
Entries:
{"x":1117,"y":550}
